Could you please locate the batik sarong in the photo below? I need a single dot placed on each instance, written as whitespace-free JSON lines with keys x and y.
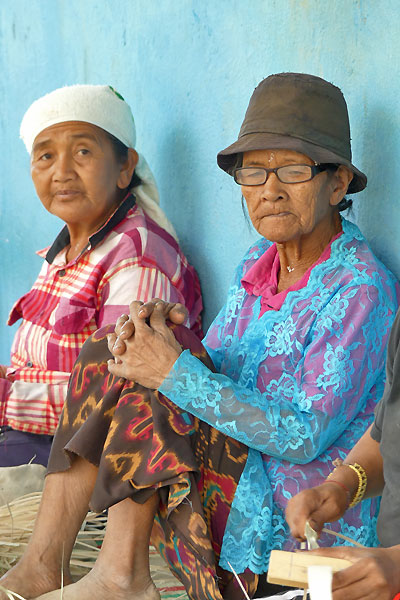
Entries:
{"x":142,"y":443}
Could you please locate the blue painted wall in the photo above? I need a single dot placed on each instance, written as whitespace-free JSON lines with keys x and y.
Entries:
{"x":188,"y":69}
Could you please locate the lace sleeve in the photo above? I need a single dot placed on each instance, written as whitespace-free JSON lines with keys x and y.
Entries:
{"x":298,"y":412}
{"x":229,"y":310}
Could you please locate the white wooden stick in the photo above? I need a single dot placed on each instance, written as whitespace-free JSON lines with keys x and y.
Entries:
{"x":238,"y":580}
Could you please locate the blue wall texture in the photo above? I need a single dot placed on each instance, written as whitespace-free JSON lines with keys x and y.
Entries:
{"x":188,"y":68}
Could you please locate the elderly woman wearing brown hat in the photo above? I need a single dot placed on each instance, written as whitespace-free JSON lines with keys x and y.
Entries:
{"x":201,"y":449}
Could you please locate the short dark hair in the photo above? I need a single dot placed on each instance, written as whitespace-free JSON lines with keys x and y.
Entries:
{"x":345,"y":203}
{"x":121,"y":154}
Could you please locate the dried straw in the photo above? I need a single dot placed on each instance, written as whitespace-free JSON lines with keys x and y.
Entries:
{"x":163,"y":578}
{"x":16,"y":524}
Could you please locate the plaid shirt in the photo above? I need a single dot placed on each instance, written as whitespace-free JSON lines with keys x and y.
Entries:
{"x":129,"y":258}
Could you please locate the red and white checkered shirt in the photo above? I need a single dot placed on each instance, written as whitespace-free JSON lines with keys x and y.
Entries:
{"x":129,"y":258}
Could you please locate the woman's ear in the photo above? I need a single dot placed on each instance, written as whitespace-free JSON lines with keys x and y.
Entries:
{"x":341,"y":180}
{"x":127,"y":169}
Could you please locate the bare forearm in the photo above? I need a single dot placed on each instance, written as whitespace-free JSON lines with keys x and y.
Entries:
{"x":367,"y":454}
{"x":330,"y":500}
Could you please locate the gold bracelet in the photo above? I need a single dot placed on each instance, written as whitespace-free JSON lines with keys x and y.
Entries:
{"x":362,"y":482}
{"x":362,"y":479}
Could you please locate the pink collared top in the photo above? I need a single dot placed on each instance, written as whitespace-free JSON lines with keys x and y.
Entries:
{"x":262,"y":278}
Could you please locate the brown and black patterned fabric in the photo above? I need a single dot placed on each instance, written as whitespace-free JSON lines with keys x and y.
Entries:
{"x":142,"y":443}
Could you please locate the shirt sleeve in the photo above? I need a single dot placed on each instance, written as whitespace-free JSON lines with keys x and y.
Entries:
{"x":299,"y":414}
{"x":393,"y":345}
{"x":33,"y":399}
{"x":122,"y":286}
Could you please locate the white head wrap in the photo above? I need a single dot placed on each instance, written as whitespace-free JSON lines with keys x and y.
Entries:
{"x":98,"y":105}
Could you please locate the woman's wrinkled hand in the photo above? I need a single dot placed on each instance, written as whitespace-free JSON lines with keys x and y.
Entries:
{"x":124,"y":328}
{"x":375,"y":574}
{"x":173,"y":311}
{"x":149,"y":353}
{"x":3,"y":371}
{"x":318,"y":505}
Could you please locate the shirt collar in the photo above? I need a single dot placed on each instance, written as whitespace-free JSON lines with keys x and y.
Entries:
{"x":63,"y":239}
{"x":263,"y":274}
{"x":262,"y":277}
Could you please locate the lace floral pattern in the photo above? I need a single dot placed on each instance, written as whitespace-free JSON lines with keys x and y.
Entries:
{"x":298,"y":386}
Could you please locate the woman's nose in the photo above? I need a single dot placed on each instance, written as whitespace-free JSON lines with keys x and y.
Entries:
{"x":63,"y":168}
{"x":272,"y":188}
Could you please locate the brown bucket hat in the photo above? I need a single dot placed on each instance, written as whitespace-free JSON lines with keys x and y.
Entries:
{"x":295,"y":111}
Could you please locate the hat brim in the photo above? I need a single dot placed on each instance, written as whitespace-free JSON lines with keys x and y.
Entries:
{"x":227,"y":158}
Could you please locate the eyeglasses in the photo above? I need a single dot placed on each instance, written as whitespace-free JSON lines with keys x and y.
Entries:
{"x":286,"y":174}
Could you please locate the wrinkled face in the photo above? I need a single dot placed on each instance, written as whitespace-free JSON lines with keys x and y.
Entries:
{"x":76,"y":173}
{"x":280,"y":211}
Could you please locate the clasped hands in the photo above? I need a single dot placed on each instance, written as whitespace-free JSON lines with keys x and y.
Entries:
{"x":144,"y":348}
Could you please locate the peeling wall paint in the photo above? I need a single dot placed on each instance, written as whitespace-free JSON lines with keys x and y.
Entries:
{"x":188,"y":69}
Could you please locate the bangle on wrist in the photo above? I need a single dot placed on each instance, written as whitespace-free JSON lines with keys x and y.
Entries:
{"x":362,"y":481}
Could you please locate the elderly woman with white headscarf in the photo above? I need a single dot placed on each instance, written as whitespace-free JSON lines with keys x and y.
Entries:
{"x":117,"y":244}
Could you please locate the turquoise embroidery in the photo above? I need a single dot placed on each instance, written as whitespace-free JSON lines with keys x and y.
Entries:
{"x":298,"y":386}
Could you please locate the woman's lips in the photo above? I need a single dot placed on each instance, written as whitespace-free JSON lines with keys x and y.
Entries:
{"x":66,"y":194}
{"x":278,"y":215}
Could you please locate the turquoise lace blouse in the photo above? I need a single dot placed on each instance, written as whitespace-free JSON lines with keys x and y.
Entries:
{"x":297,"y":385}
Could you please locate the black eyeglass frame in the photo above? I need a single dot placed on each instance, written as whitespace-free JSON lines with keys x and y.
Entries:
{"x":315,"y":169}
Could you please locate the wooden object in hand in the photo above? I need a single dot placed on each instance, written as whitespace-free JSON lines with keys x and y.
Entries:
{"x":290,"y":568}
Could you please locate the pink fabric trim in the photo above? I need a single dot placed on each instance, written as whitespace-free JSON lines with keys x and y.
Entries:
{"x":262,"y":278}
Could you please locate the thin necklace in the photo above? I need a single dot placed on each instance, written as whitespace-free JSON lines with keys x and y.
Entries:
{"x":290,"y":269}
